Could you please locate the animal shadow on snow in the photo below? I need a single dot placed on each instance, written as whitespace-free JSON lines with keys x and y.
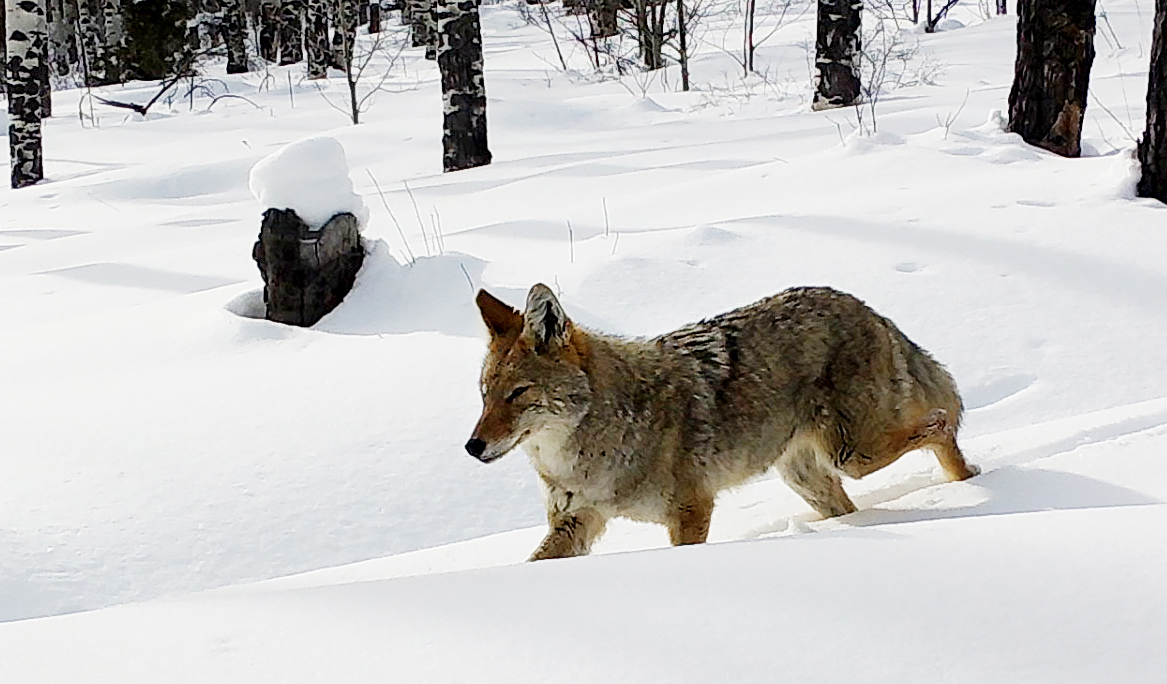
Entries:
{"x":1009,"y":490}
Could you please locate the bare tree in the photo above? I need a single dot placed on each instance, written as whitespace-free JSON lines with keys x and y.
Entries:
{"x":459,"y":49}
{"x":1055,"y":49}
{"x":236,"y":29}
{"x":837,"y":54}
{"x":26,"y":32}
{"x":1152,"y":149}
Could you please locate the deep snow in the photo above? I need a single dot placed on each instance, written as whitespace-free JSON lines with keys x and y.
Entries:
{"x":160,"y":440}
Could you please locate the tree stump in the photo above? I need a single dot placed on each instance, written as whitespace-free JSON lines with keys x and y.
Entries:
{"x":306,"y":272}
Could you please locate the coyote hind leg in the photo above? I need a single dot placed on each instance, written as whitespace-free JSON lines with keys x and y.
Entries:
{"x":938,"y":434}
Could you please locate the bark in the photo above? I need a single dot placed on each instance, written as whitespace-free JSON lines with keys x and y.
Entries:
{"x":63,"y":46}
{"x":306,"y":272}
{"x":236,"y":27}
{"x":1055,"y":49}
{"x":316,"y":37}
{"x":603,"y":17}
{"x":344,"y":33}
{"x":26,"y":32}
{"x":459,"y":53}
{"x":1001,"y":7}
{"x":115,"y":38}
{"x":682,"y":29}
{"x":92,"y":40}
{"x":837,"y":54}
{"x":269,"y":31}
{"x":291,"y":27}
{"x":375,"y":17}
{"x":421,"y":23}
{"x":1152,"y":149}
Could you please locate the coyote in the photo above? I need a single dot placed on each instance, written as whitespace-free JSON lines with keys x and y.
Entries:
{"x":810,"y":381}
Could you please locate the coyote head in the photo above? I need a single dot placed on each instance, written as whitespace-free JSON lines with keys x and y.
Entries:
{"x":533,"y":377}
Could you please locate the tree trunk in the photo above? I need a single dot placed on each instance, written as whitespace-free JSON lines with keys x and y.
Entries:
{"x":236,"y":24}
{"x":4,"y":49}
{"x":26,"y":32}
{"x":684,"y":49}
{"x":269,"y":31}
{"x":1152,"y":150}
{"x":115,"y":38}
{"x":1001,"y":7}
{"x":1055,"y":48}
{"x":92,"y":53}
{"x":62,"y":19}
{"x":423,"y":31}
{"x":316,"y":38}
{"x":344,"y":34}
{"x":604,"y":18}
{"x":291,"y":31}
{"x":837,"y":54}
{"x":306,"y":272}
{"x":459,"y":51}
{"x":374,"y":17}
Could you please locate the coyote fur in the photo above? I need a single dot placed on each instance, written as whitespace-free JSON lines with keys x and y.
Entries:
{"x":810,"y":381}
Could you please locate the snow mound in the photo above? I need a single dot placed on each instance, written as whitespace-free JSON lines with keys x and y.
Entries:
{"x":309,"y":177}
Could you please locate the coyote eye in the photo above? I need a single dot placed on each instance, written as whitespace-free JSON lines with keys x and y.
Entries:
{"x":517,"y":392}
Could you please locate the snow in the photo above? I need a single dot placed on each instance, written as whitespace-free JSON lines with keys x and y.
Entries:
{"x":311,"y":178}
{"x":191,"y":493}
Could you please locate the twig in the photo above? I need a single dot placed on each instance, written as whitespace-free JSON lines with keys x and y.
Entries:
{"x":400,"y":232}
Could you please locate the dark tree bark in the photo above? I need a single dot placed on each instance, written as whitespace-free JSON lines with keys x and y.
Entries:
{"x":837,"y":54}
{"x":26,"y":33}
{"x":1055,"y":49}
{"x":344,"y":33}
{"x":316,"y":37}
{"x":291,"y":31}
{"x":374,"y":17}
{"x":683,"y":32}
{"x":236,"y":26}
{"x":604,"y":17}
{"x":306,"y":272}
{"x":269,"y":31}
{"x":1152,"y":150}
{"x":463,"y":88}
{"x":1001,"y":9}
{"x":4,"y":49}
{"x":423,"y":30}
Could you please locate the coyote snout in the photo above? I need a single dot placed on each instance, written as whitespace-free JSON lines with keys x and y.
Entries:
{"x":810,"y":381}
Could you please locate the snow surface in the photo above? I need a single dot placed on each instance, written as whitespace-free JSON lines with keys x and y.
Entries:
{"x":310,"y":177}
{"x":160,"y":440}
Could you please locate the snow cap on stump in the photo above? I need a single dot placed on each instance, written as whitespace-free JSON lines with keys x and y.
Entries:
{"x":309,"y":177}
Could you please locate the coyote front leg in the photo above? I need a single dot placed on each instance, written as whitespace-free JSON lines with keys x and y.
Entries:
{"x":570,"y":534}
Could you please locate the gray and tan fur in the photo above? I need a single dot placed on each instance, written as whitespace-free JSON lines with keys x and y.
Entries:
{"x":810,"y":381}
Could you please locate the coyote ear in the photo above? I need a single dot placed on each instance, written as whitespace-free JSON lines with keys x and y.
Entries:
{"x":500,"y":319}
{"x":544,"y":322}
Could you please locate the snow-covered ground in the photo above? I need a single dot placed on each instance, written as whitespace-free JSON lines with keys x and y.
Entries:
{"x":158,"y":441}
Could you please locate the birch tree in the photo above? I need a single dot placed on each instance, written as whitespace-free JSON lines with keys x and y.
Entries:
{"x":316,"y":38}
{"x":459,"y":48}
{"x":291,"y":31}
{"x":837,"y":54}
{"x":1055,"y":49}
{"x":1152,"y":150}
{"x":26,"y":32}
{"x":236,"y":28}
